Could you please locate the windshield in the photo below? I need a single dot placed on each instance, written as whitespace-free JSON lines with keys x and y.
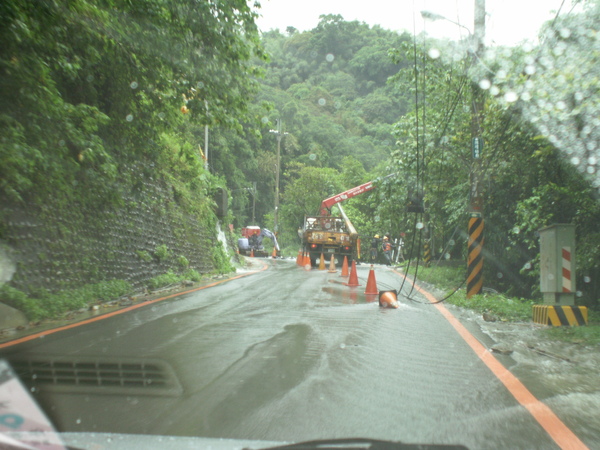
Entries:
{"x":164,"y":163}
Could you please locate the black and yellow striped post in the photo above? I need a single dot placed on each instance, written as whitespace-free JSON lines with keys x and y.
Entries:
{"x":427,"y":254}
{"x":475,"y":257}
{"x":560,"y":315}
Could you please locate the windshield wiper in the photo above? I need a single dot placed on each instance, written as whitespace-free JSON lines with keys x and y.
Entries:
{"x":362,"y":443}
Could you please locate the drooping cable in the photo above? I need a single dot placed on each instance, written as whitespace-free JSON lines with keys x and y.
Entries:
{"x":418,"y":156}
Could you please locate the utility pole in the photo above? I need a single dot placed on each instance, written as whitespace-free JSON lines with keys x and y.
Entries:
{"x":253,"y":203}
{"x":206,"y":139}
{"x":279,"y":134}
{"x":476,"y":222}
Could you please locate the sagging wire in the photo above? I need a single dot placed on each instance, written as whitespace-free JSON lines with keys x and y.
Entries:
{"x":416,"y":78}
{"x":420,"y":175}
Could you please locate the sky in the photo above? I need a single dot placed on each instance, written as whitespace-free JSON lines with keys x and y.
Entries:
{"x":508,"y":22}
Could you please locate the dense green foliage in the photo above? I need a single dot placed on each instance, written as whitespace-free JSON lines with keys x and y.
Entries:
{"x":105,"y":107}
{"x":43,"y":304}
{"x":101,"y":103}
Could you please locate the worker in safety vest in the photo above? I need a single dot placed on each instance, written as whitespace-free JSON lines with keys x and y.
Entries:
{"x":387,"y":247}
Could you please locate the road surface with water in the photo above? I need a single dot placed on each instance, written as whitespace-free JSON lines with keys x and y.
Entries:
{"x":288,"y":354}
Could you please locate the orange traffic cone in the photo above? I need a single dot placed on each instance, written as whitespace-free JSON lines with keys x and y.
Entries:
{"x":299,"y":257}
{"x":322,"y":262}
{"x":371,"y":283}
{"x":306,"y":260}
{"x":274,"y":254}
{"x":345,"y":267}
{"x":252,"y":253}
{"x":353,"y":280}
{"x":388,"y":299}
{"x":332,"y":268}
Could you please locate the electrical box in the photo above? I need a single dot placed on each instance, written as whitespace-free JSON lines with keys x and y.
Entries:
{"x":557,"y":264}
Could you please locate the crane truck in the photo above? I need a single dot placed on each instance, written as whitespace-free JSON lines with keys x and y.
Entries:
{"x":329,"y":235}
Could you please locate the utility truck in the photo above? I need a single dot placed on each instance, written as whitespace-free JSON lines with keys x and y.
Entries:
{"x":332,"y":235}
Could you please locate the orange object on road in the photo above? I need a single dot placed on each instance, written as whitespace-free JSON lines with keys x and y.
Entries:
{"x":388,"y":299}
{"x":332,"y":268}
{"x":306,"y":260}
{"x":345,"y":267}
{"x":353,"y":280}
{"x":371,"y":283}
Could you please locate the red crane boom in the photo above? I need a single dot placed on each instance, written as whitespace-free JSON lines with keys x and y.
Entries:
{"x":329,"y":202}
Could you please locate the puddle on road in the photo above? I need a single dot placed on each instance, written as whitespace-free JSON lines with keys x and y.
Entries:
{"x":349,"y":295}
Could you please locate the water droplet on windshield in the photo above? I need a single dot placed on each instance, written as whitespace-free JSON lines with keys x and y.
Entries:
{"x":329,"y":57}
{"x":511,"y":97}
{"x":434,"y":53}
{"x":565,"y":33}
{"x":322,"y":101}
{"x":485,"y":84}
{"x":586,"y":279}
{"x":500,"y":275}
{"x":78,"y":421}
{"x":342,"y":345}
{"x":420,"y":226}
{"x":516,"y":230}
{"x":129,"y":117}
{"x":133,"y":85}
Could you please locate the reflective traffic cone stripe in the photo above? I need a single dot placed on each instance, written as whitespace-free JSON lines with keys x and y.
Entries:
{"x":388,"y":299}
{"x":353,"y":280}
{"x":371,"y":283}
{"x":332,"y":268}
{"x":345,"y":267}
{"x":322,"y":262}
{"x":307,"y":260}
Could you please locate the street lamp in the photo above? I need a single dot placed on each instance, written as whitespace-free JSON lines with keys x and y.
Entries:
{"x":279,"y":134}
{"x":428,"y":15}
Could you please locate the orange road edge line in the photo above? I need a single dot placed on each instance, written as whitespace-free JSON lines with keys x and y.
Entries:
{"x":558,"y":431}
{"x":31,"y":337}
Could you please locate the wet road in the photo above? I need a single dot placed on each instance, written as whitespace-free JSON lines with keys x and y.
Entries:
{"x":287,"y":354}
